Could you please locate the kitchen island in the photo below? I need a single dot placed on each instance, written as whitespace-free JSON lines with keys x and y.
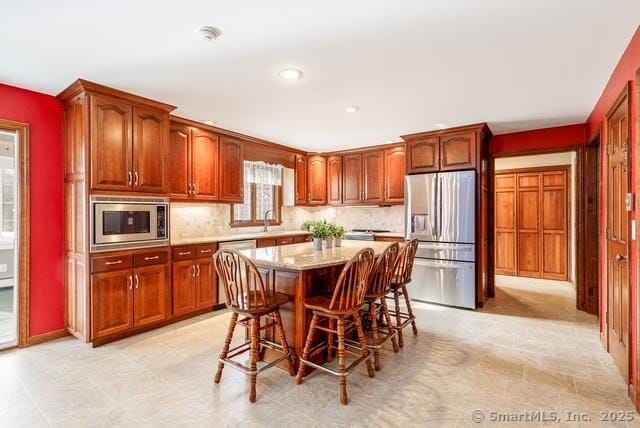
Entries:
{"x":300,"y":272}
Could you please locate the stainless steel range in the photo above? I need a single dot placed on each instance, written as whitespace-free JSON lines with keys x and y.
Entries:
{"x":363,"y":234}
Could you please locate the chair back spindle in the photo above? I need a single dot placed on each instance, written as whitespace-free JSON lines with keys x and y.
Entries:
{"x":404,"y":263}
{"x":383,"y":270}
{"x":243,"y":285}
{"x":352,"y":283}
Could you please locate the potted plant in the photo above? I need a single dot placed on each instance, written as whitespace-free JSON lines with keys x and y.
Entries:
{"x":338,"y":234}
{"x":319,"y":232}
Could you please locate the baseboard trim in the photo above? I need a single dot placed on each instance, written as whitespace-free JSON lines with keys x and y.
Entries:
{"x":47,"y":337}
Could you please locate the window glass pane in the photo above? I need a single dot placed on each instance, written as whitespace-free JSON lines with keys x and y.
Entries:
{"x":265,"y":200}
{"x":243,"y":212}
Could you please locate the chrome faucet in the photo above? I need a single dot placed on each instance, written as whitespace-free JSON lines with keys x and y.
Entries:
{"x":266,"y":219}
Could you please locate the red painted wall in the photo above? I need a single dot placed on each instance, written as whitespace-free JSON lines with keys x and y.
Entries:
{"x":44,"y":114}
{"x":568,"y":136}
{"x":624,"y":73}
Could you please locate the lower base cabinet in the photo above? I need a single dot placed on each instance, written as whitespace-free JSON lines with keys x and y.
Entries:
{"x":149,"y":295}
{"x":111,"y":303}
{"x":194,"y":279}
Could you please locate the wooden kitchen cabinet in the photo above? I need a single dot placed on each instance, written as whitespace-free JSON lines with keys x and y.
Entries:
{"x":334,"y":180}
{"x":373,"y":177}
{"x":150,"y":295}
{"x":194,"y":279}
{"x":458,"y":151}
{"x":206,"y":279}
{"x":316,"y":180}
{"x":423,"y":155}
{"x":184,"y":292}
{"x":232,"y":170}
{"x":394,"y":172}
{"x":180,"y":161}
{"x":128,"y":146}
{"x":352,"y":178}
{"x":205,"y":171}
{"x":301,"y":180}
{"x":111,"y":303}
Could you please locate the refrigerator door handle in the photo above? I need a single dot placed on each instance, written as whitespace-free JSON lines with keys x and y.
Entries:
{"x":444,"y":265}
{"x":440,"y":207}
{"x":438,"y":246}
{"x":436,"y":216}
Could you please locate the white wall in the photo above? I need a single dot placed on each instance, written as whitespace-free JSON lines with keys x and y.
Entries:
{"x":551,"y":159}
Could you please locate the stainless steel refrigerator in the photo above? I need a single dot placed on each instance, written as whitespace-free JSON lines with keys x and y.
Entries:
{"x":441,"y":215}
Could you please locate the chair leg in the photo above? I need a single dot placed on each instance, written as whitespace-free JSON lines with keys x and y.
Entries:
{"x":387,"y":317}
{"x":363,"y":344}
{"x":409,"y":310}
{"x":227,"y":344}
{"x":285,"y":345}
{"x":307,"y":348}
{"x":330,"y":347}
{"x":396,"y":298}
{"x":376,"y":337}
{"x":344,"y":398}
{"x":255,"y":354}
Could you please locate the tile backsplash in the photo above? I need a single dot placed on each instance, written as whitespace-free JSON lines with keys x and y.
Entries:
{"x":194,"y":220}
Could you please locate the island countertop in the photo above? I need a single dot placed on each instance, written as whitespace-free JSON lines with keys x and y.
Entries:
{"x":300,"y":257}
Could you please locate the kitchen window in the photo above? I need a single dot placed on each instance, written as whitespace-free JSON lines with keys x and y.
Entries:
{"x":262,"y":192}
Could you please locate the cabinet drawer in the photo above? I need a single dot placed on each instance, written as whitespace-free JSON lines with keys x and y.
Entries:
{"x":110,"y":263}
{"x":284,"y":241}
{"x":150,"y":258}
{"x":207,"y":250}
{"x":184,"y":253}
{"x":303,"y":238}
{"x":266,"y":242}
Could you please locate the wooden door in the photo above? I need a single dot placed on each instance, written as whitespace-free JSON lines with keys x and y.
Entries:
{"x":149,"y":294}
{"x":423,"y":155}
{"x":206,"y":278}
{"x":205,"y":171}
{"x":528,"y":224}
{"x":591,"y":294}
{"x":149,"y":150}
{"x":373,"y":177}
{"x":352,"y":178}
{"x":505,"y":224}
{"x":231,"y":170}
{"x":184,"y":297}
{"x":618,"y":289}
{"x":111,"y":303}
{"x":458,"y":151}
{"x":179,"y":161}
{"x":334,"y":180}
{"x":301,"y":180}
{"x":555,"y":215}
{"x":111,"y":144}
{"x":395,"y":165}
{"x":317,"y":180}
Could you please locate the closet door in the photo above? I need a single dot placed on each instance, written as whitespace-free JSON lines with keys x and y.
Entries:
{"x":528,"y":222}
{"x":505,"y":224}
{"x":554,"y":225}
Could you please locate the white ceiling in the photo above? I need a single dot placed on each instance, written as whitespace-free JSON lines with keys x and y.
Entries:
{"x":408,"y":64}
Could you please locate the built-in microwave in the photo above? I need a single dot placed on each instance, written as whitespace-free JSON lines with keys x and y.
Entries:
{"x":119,"y":222}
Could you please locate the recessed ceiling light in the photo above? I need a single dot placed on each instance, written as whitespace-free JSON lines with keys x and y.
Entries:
{"x":209,"y":33}
{"x":351,"y":109}
{"x":208,"y":122}
{"x":441,"y":125}
{"x":290,"y":74}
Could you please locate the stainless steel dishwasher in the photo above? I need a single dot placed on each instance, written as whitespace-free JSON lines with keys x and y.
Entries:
{"x":235,"y":245}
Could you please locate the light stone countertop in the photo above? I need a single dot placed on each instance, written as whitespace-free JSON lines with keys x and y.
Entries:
{"x":236,"y":237}
{"x":390,"y":234}
{"x":299,"y":257}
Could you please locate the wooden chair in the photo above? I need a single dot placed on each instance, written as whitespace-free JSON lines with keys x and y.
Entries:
{"x":342,"y":309}
{"x":248,"y":297}
{"x":379,"y":287}
{"x":401,"y":277}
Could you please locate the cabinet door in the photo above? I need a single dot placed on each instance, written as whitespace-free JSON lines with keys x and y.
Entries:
{"x":373,"y":177}
{"x":205,"y":171}
{"x":180,"y":161}
{"x":206,"y":278}
{"x":111,"y":144}
{"x":394,"y":169}
{"x":317,"y":180}
{"x":352,"y":178}
{"x":301,"y":180}
{"x":458,"y":151}
{"x":149,"y":294}
{"x":184,"y":297}
{"x":423,"y":155}
{"x":111,"y":303}
{"x":334,"y":180}
{"x":231,"y":170}
{"x":149,"y":150}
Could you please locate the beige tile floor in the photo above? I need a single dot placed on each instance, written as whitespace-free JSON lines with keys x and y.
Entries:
{"x":529,"y":350}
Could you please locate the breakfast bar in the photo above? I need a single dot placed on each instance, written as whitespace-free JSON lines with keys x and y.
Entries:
{"x":301,"y":272}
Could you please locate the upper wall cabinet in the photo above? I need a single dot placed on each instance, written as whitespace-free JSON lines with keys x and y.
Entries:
{"x":395,"y":160}
{"x":373,"y":177}
{"x":445,"y":150}
{"x":301,"y":180}
{"x":316,"y":180}
{"x":231,"y":170}
{"x":334,"y":180}
{"x":128,"y":146}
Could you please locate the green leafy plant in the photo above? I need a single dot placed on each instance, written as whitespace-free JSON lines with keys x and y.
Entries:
{"x":339,"y":231}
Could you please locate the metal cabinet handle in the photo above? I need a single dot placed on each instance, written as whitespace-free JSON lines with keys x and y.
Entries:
{"x":309,"y":196}
{"x":130,"y":279}
{"x":130,"y":182}
{"x":152,"y":258}
{"x":620,"y":257}
{"x":206,"y":251}
{"x":189,"y":189}
{"x":195,"y":189}
{"x":137,"y":281}
{"x":184,"y":253}
{"x":117,"y":262}
{"x":193,"y":270}
{"x":135,"y":179}
{"x":198,"y":274}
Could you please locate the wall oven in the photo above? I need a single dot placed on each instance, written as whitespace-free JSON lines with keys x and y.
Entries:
{"x":122,"y":223}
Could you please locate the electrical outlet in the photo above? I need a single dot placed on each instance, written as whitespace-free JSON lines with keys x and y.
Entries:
{"x":3,"y":267}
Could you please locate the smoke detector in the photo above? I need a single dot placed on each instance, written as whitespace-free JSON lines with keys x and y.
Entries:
{"x":209,"y":34}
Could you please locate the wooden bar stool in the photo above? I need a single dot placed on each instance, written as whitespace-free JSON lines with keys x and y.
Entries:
{"x":248,"y":297}
{"x":379,"y":287}
{"x":401,"y":277}
{"x":342,"y":308}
